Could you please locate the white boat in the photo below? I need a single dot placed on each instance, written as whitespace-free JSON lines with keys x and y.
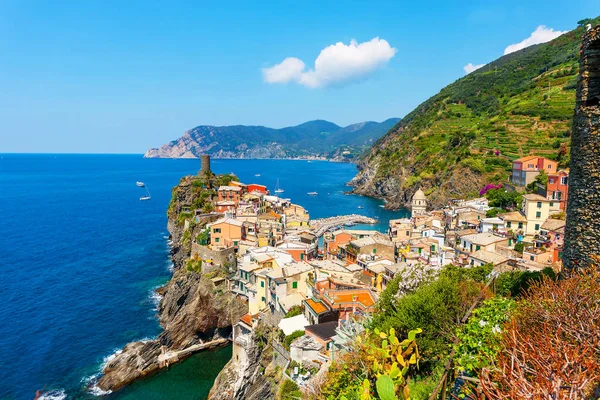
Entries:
{"x":312,"y":193}
{"x":257,"y":175}
{"x":361,"y":206}
{"x":146,"y":196}
{"x":140,"y":184}
{"x":278,"y":189}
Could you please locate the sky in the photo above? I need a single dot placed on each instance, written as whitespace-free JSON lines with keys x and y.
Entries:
{"x":121,"y":77}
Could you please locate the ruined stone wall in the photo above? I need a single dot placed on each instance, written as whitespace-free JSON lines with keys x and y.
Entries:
{"x":582,"y":232}
{"x":219,"y":257}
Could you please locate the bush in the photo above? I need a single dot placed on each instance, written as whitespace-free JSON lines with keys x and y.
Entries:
{"x":288,"y":390}
{"x":291,"y":337}
{"x":550,"y":347}
{"x":519,"y":247}
{"x":295,"y":310}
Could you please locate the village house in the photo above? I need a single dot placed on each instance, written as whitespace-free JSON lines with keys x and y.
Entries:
{"x":492,"y":224}
{"x":525,"y":169}
{"x":376,"y":245}
{"x":537,"y":210}
{"x":400,"y":230}
{"x":225,"y":233}
{"x":482,"y":241}
{"x":514,"y":221}
{"x":558,"y":188}
{"x":296,"y":216}
{"x":230,"y":193}
{"x":483,"y":257}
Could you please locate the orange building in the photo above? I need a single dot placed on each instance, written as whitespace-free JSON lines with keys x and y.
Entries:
{"x":558,"y":188}
{"x":333,"y":241}
{"x":226,"y":232}
{"x":525,"y":169}
{"x":253,"y":187}
{"x":230,"y":193}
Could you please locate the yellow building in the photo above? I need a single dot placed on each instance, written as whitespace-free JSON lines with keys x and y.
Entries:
{"x":537,"y":210}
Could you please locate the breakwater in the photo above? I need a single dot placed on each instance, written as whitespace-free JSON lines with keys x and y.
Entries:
{"x":322,"y":225}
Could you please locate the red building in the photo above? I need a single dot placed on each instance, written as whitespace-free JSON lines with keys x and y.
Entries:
{"x":253,"y":187}
{"x":558,"y":187}
{"x":230,"y":194}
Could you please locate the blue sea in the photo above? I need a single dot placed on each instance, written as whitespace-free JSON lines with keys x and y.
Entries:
{"x":80,"y":255}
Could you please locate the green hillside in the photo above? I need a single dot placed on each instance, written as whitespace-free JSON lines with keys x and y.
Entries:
{"x":468,"y":134}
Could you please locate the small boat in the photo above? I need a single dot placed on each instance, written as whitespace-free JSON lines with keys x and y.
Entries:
{"x":361,"y":206}
{"x":140,"y":184}
{"x":350,"y":224}
{"x":146,"y":196}
{"x":278,"y":189}
{"x":257,"y":175}
{"x":312,"y":193}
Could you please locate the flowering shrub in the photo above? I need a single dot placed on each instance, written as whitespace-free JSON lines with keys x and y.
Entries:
{"x":480,"y":337}
{"x":487,"y":187}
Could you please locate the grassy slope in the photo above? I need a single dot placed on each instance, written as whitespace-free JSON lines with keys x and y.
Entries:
{"x":518,"y":105}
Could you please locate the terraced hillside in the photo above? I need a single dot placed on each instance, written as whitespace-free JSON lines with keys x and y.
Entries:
{"x":468,"y":134}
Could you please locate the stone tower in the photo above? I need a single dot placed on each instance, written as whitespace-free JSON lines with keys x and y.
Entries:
{"x":419,"y":203}
{"x":205,"y":164}
{"x":582,"y":231}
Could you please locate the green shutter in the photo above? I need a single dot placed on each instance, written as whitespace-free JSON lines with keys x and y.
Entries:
{"x":294,"y":285}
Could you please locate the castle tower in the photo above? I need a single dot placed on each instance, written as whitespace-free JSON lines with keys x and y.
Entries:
{"x":205,"y":164}
{"x":582,"y":231}
{"x":419,"y":203}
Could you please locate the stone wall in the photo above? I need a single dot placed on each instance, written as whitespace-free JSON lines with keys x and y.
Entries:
{"x":582,"y":232}
{"x":219,"y":257}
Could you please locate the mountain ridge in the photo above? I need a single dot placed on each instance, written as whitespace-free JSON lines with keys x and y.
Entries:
{"x":468,"y":134}
{"x":311,"y":139}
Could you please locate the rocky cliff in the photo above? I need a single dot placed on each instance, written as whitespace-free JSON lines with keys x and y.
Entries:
{"x":252,"y":379}
{"x":314,"y":139}
{"x":192,"y":311}
{"x":469,"y":133}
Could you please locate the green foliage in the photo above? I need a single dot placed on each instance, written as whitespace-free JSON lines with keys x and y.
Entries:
{"x":540,"y":179}
{"x":295,"y":310}
{"x":291,"y":337}
{"x":436,"y":307}
{"x":194,"y":265}
{"x":516,"y":283}
{"x":203,"y":237}
{"x":288,"y":390}
{"x":502,"y":198}
{"x":493,"y":212}
{"x":423,"y":385}
{"x":480,"y":337}
{"x":519,"y":247}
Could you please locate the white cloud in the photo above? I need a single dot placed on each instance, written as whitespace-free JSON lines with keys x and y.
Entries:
{"x":470,"y":67}
{"x":542,"y":34}
{"x":336,"y":64}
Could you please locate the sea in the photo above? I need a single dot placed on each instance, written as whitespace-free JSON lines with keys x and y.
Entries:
{"x":81,"y":255}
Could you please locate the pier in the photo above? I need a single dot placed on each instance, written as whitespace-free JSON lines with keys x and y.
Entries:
{"x":171,"y":357}
{"x":322,"y":225}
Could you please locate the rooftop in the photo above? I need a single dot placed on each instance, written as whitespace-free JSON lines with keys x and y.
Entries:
{"x":483,"y":239}
{"x":233,"y":188}
{"x":323,"y":331}
{"x":535,"y":197}
{"x":489,"y":257}
{"x":552,"y":224}
{"x":317,"y":306}
{"x":292,"y":324}
{"x":513,"y":216}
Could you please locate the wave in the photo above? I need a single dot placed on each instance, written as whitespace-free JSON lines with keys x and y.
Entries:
{"x":54,"y":394}
{"x":155,"y":298}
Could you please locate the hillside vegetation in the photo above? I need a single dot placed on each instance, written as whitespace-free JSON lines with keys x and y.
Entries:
{"x":311,"y":139}
{"x":468,"y":134}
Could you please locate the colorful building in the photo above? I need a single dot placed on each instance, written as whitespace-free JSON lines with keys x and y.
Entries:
{"x":525,"y":169}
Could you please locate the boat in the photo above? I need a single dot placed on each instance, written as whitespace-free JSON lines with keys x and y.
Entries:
{"x":278,"y":189}
{"x":361,"y":206}
{"x":146,"y":196}
{"x":257,"y":175}
{"x":312,"y":193}
{"x":140,"y":184}
{"x":350,"y":224}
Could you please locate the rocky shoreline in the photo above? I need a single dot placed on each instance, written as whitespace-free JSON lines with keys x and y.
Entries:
{"x":193,"y":313}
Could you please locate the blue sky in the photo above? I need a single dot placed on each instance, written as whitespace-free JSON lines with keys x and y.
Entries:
{"x":120,"y":77}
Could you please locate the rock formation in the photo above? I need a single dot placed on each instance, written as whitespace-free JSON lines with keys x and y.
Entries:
{"x":192,"y":312}
{"x":582,"y":233}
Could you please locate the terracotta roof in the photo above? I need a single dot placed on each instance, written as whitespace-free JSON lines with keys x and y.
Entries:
{"x":553,"y":224}
{"x":247,"y":319}
{"x":535,"y":197}
{"x":316,"y":306}
{"x":348,"y":296}
{"x":513,"y":216}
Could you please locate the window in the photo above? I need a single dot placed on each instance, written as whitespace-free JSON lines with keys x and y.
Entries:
{"x":217,"y":240}
{"x":262,"y":299}
{"x":520,"y":225}
{"x":477,"y":247}
{"x":294,"y":285}
{"x":217,"y":230}
{"x":538,"y":214}
{"x":508,"y":224}
{"x":374,"y":251}
{"x":301,"y":256}
{"x":537,"y":227}
{"x":551,"y":204}
{"x":550,"y":180}
{"x":564,"y":180}
{"x":262,"y":283}
{"x":549,"y":166}
{"x":407,"y":233}
{"x":531,"y":258}
{"x":235,"y":242}
{"x":539,"y":204}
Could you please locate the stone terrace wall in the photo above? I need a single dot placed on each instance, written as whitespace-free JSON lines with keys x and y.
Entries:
{"x":582,"y":232}
{"x":219,"y":257}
